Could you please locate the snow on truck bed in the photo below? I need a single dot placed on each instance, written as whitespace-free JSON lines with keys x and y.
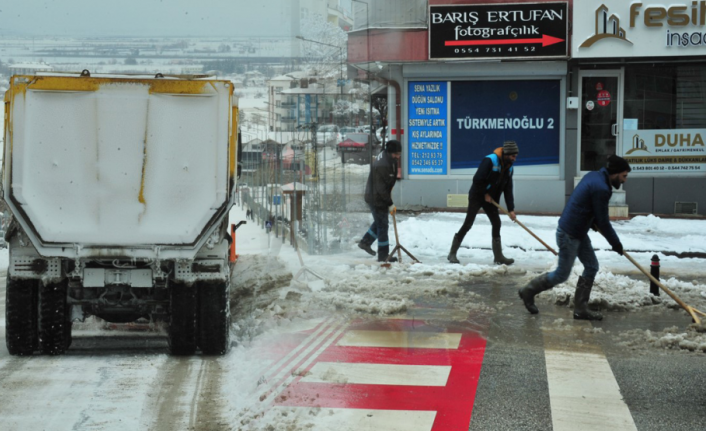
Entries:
{"x":121,"y":165}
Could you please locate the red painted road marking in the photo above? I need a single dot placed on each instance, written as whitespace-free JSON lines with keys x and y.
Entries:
{"x":300,"y":359}
{"x":546,"y":40}
{"x":453,"y":402}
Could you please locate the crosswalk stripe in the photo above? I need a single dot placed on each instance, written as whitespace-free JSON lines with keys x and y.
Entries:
{"x":364,"y":371}
{"x":584,"y":394}
{"x":321,"y":332}
{"x":307,"y":357}
{"x":400,"y":339}
{"x":327,"y":419}
{"x":377,"y":374}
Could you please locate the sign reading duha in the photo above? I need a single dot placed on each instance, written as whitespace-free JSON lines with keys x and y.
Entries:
{"x":654,"y":152}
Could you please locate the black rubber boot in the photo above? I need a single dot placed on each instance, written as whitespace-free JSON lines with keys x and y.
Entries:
{"x":583,"y":293}
{"x":383,"y":252}
{"x":534,"y":287}
{"x":365,"y":246}
{"x":366,"y":242}
{"x":498,"y":253}
{"x":455,"y":244}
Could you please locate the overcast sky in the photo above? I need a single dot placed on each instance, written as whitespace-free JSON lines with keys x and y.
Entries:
{"x":145,"y":17}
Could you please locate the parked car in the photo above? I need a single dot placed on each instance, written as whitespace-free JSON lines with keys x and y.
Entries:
{"x":354,"y":142}
{"x":348,"y":129}
{"x":328,"y":134}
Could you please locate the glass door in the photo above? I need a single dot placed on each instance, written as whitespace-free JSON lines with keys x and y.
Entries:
{"x":600,"y":117}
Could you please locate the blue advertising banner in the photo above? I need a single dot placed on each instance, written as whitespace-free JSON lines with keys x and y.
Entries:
{"x":427,"y":128}
{"x":487,"y":113}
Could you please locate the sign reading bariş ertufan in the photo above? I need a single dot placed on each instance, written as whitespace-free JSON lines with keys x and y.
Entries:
{"x":498,"y":31}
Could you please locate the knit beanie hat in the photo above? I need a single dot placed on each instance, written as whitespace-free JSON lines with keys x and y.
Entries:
{"x":393,"y":146}
{"x":510,"y":148}
{"x":617,"y":165}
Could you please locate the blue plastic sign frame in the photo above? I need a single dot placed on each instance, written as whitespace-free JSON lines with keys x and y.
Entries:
{"x":427,"y":127}
{"x":484,"y":114}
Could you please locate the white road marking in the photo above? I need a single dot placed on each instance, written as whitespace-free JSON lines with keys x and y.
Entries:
{"x":401,"y":339}
{"x":426,"y":314}
{"x":301,"y":351}
{"x":288,"y":374}
{"x":584,"y":394}
{"x":378,"y":374}
{"x":327,"y":419}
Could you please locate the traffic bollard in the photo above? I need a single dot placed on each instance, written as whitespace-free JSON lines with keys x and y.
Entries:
{"x":654,"y":271}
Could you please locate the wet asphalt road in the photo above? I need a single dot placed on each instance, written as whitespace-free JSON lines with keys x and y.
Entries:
{"x":662,"y":389}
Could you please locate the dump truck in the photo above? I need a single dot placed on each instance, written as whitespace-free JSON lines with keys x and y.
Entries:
{"x":119,"y":187}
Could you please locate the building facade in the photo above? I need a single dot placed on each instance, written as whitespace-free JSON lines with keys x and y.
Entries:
{"x":571,"y":83}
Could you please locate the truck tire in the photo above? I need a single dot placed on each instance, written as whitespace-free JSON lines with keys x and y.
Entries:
{"x":21,"y":316}
{"x":53,"y":318}
{"x":214,"y":315}
{"x":183,"y":320}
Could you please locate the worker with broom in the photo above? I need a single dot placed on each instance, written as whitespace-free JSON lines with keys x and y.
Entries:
{"x":493,"y":178}
{"x":378,"y":196}
{"x":587,"y":208}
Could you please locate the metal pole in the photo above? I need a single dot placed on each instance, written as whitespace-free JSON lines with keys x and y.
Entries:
{"x":654,"y":271}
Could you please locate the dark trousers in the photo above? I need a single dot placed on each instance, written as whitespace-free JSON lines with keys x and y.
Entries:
{"x":378,"y":230}
{"x":474,"y":205}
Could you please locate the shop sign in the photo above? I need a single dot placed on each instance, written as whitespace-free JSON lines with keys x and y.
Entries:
{"x":484,"y":114}
{"x":525,"y":30}
{"x":658,"y":151}
{"x":427,"y":127}
{"x":603,"y":98}
{"x":616,"y":28}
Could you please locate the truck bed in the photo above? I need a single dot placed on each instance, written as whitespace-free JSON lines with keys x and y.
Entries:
{"x":118,"y":162}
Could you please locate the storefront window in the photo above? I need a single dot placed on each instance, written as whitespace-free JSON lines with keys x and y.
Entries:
{"x":665,"y":97}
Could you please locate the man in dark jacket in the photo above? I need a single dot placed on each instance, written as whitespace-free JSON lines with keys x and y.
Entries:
{"x":381,"y":180}
{"x":493,"y":178}
{"x":587,"y":208}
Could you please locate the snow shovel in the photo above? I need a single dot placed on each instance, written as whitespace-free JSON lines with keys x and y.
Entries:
{"x":318,"y":283}
{"x":524,"y":227}
{"x":398,"y":248}
{"x":689,"y":309}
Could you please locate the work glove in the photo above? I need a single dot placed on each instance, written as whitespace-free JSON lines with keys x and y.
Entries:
{"x":618,"y":248}
{"x":393,"y":210}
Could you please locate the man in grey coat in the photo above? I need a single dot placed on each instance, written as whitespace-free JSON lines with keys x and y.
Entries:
{"x":378,"y":196}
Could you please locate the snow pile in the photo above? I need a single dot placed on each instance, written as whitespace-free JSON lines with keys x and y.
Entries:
{"x":672,"y":338}
{"x":614,"y":292}
{"x":256,"y":283}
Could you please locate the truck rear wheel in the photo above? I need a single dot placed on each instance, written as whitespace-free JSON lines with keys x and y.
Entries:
{"x":54,"y":321}
{"x":21,"y":316}
{"x":214,"y":316}
{"x":183,"y":320}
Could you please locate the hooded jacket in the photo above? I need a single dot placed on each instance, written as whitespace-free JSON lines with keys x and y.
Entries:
{"x":381,"y":181}
{"x":588,"y":205}
{"x":495,"y":178}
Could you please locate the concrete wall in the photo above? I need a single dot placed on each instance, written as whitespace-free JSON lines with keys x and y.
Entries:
{"x":531,"y":196}
{"x":658,"y":195}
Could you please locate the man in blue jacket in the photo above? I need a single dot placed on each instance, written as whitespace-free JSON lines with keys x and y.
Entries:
{"x":587,"y":208}
{"x":492,"y":179}
{"x":378,"y":196}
